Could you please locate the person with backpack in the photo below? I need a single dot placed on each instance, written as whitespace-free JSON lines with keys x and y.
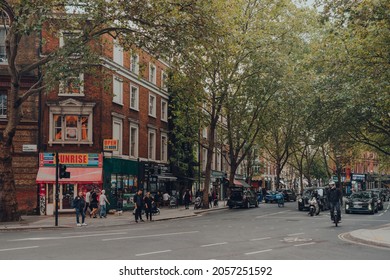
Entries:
{"x":79,"y":205}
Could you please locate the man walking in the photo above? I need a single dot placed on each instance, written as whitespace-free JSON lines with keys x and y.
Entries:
{"x":148,"y":206}
{"x":102,"y":202}
{"x":79,"y":206}
{"x":138,"y":203}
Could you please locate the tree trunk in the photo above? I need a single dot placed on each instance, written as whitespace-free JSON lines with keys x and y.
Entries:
{"x":8,"y":202}
{"x":210,"y":153}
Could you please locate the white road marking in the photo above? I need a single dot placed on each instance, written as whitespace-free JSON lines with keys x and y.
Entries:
{"x":151,"y":253}
{"x":108,"y":231}
{"x":66,"y":237}
{"x":304,"y":244}
{"x":152,"y":235}
{"x":258,"y":217}
{"x":293,"y":234}
{"x":213,"y":244}
{"x":262,"y":238}
{"x":20,"y":248}
{"x":258,"y":252}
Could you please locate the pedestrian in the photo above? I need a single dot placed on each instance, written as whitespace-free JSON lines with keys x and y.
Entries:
{"x":79,"y":205}
{"x":88,"y":202}
{"x":103,"y":202}
{"x":157,"y":198}
{"x":187,"y":199}
{"x":264,"y":192}
{"x":94,"y":204}
{"x":138,"y":204}
{"x":148,"y":200}
{"x":166,"y":198}
{"x":210,"y":200}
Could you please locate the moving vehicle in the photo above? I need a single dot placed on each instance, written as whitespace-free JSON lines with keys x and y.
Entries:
{"x":361,"y":202}
{"x":381,"y":197}
{"x":240,"y":197}
{"x":271,"y":197}
{"x":303,"y":200}
{"x":289,"y":195}
{"x":314,"y":207}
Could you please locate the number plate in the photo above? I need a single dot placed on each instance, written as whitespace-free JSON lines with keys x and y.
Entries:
{"x":357,"y":206}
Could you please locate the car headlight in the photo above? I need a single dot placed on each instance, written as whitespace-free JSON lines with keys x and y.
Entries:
{"x":300,"y":200}
{"x":369,"y":207}
{"x":346,"y":206}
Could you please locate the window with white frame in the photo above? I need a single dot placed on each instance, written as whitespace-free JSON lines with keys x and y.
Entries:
{"x":164,"y":80}
{"x":117,"y":90}
{"x":70,"y":122}
{"x":133,"y":140}
{"x":3,"y":53}
{"x":117,"y":126}
{"x":134,"y":63}
{"x":72,"y":83}
{"x":164,"y":147}
{"x":152,"y":73}
{"x":134,"y":97}
{"x":164,"y":110}
{"x":152,"y":144}
{"x":152,"y":105}
{"x":117,"y":53}
{"x":71,"y":128}
{"x":204,"y":133}
{"x":3,"y":104}
{"x":218,"y":160}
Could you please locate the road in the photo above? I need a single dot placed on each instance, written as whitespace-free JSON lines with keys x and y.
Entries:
{"x":267,"y":232}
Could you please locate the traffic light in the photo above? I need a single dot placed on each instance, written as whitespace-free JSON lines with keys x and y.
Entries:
{"x":63,"y":173}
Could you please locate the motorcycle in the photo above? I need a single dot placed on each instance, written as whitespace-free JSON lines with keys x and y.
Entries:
{"x":198,"y":202}
{"x":314,"y":207}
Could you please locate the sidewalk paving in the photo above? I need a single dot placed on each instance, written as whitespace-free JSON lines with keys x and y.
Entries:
{"x":379,"y":237}
{"x":69,"y":220}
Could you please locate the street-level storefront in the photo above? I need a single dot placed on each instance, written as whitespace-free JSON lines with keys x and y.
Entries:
{"x":85,"y":173}
{"x":121,"y":181}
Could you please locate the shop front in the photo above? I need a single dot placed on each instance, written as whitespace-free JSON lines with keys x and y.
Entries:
{"x":85,"y":173}
{"x":121,"y":182}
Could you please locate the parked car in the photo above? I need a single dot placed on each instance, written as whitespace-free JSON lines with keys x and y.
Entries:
{"x":303,"y":200}
{"x":380,"y":196}
{"x":289,"y":195}
{"x":240,"y":197}
{"x":361,"y":202}
{"x":271,"y":197}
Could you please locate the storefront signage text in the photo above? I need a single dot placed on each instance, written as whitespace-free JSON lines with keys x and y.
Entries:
{"x":110,"y":144}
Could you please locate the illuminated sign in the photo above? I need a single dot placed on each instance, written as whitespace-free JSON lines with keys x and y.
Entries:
{"x":72,"y":159}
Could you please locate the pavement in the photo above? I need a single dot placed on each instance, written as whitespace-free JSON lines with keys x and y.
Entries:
{"x":379,"y":236}
{"x":113,"y":219}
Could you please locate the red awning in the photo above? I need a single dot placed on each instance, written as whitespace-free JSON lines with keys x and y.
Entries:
{"x":241,"y":183}
{"x":77,"y":175}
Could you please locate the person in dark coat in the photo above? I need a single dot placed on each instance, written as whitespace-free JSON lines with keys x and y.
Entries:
{"x":138,"y":203}
{"x":148,"y":200}
{"x":94,"y":204}
{"x":335,"y":201}
{"x":187,"y":199}
{"x":79,"y":205}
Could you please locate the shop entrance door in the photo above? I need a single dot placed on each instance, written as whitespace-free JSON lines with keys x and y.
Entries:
{"x":67,"y":192}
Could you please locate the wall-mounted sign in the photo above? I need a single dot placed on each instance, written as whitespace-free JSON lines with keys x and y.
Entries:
{"x":72,"y":160}
{"x":29,"y":148}
{"x":110,"y":145}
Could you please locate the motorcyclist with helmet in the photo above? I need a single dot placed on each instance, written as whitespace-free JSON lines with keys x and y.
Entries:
{"x":335,"y":200}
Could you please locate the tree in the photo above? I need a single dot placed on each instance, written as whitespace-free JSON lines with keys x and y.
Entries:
{"x":160,"y":27}
{"x":356,"y":51}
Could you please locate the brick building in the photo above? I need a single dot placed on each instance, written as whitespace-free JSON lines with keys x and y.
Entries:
{"x":123,"y":104}
{"x":25,"y":156}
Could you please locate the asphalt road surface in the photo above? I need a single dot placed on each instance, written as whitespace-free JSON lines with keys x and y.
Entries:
{"x":267,"y":232}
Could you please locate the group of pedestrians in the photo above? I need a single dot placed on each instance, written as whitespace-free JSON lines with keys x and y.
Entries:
{"x":91,"y":202}
{"x":143,"y":203}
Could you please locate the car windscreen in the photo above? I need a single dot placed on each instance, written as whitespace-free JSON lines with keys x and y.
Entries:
{"x":361,"y":195}
{"x":236,"y":195}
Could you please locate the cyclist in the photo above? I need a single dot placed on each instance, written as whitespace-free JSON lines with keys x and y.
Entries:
{"x":335,"y":200}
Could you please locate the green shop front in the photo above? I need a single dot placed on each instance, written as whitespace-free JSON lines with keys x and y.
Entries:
{"x":121,"y":182}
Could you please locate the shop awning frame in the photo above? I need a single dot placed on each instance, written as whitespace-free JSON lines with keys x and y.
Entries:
{"x":90,"y":175}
